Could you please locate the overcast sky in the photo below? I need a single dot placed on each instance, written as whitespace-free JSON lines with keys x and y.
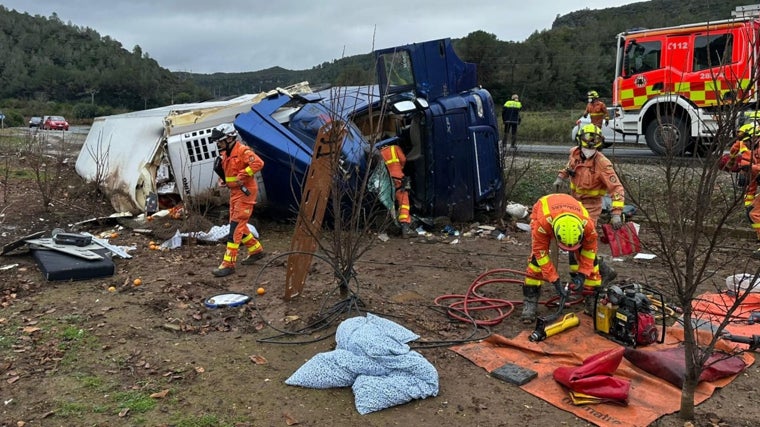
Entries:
{"x":206,"y":36}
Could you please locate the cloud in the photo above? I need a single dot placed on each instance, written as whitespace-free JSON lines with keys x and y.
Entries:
{"x":242,"y":35}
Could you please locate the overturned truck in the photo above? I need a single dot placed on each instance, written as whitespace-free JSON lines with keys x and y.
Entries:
{"x":427,"y":98}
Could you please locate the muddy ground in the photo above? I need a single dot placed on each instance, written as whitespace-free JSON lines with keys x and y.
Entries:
{"x":93,"y":352}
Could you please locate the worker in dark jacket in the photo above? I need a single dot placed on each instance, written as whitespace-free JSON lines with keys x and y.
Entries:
{"x":510,"y":115}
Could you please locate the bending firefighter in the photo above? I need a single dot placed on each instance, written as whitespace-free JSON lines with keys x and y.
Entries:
{"x":238,"y":165}
{"x":395,"y":160}
{"x":560,"y":217}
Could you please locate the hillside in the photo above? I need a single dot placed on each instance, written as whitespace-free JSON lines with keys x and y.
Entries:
{"x":47,"y":65}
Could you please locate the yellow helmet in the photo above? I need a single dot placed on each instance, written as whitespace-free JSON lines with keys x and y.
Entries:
{"x":568,"y":229}
{"x":592,"y":94}
{"x":590,"y":136}
{"x":746,"y":132}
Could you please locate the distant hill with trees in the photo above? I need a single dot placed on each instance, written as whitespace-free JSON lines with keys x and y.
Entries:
{"x":47,"y":66}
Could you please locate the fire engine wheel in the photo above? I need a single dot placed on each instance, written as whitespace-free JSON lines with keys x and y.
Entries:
{"x":668,"y":135}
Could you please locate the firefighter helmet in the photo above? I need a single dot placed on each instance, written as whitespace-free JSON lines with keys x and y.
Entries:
{"x":568,"y":229}
{"x":515,"y":97}
{"x":225,"y":130}
{"x":590,"y":136}
{"x":592,"y":94}
{"x":747,"y":132}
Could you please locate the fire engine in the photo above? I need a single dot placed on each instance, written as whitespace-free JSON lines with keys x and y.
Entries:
{"x":671,"y":82}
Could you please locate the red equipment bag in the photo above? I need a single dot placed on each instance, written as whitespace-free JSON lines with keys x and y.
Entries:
{"x":624,"y":241}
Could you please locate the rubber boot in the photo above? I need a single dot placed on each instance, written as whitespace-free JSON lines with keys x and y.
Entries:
{"x":589,"y":298}
{"x":530,"y":303}
{"x":406,"y":231}
{"x":606,"y":271}
{"x":227,"y":266}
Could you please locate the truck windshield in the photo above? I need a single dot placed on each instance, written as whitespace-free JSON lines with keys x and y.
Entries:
{"x":641,"y":57}
{"x":398,"y":70}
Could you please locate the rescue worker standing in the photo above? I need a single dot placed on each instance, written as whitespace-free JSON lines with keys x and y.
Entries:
{"x":591,"y":176}
{"x":596,"y":109}
{"x":560,"y":217}
{"x":510,"y":115}
{"x":395,"y":160}
{"x":239,"y":164}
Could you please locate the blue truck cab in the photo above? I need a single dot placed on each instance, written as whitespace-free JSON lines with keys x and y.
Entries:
{"x":426,"y":100}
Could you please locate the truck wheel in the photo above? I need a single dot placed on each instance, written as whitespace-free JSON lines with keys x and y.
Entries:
{"x":667,"y":136}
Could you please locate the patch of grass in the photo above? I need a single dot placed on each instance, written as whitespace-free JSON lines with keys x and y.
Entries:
{"x":135,"y":401}
{"x":72,"y":409}
{"x":536,"y":182}
{"x":205,"y":420}
{"x":546,"y":127}
{"x":72,"y":333}
{"x":89,"y":381}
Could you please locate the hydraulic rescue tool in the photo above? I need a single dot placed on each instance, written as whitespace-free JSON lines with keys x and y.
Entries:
{"x":570,"y":320}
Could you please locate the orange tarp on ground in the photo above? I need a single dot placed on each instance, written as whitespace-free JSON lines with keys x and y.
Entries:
{"x":649,"y":398}
{"x":714,"y":307}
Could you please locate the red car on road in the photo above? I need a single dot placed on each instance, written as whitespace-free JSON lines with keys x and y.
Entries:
{"x":55,"y":122}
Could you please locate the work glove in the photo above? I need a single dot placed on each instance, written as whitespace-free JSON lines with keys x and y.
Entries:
{"x":559,"y":185}
{"x":562,"y":291}
{"x":578,"y":279}
{"x":617,"y":221}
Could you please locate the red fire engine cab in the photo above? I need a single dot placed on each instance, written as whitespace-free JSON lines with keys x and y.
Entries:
{"x":671,"y":82}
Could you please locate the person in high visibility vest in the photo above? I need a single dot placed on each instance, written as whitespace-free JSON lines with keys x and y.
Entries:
{"x":597,"y":110}
{"x":591,"y":176}
{"x":239,"y":163}
{"x":395,"y":159}
{"x":743,"y":158}
{"x":562,"y":218}
{"x":510,"y":115}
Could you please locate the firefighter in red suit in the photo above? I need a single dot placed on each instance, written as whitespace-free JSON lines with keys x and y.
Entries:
{"x":395,"y":160}
{"x":239,"y":163}
{"x":560,"y":217}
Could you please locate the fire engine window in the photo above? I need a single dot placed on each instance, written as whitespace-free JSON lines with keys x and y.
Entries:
{"x":712,"y":51}
{"x":642,"y":57}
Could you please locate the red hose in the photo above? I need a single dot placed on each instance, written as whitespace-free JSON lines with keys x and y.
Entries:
{"x":465,"y":306}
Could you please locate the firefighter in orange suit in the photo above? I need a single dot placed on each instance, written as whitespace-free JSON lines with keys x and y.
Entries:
{"x":592,"y":175}
{"x":560,"y":217}
{"x":239,"y":164}
{"x":395,"y":160}
{"x":596,"y":109}
{"x":743,"y":157}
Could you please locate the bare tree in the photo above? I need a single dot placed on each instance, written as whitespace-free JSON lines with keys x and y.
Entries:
{"x":687,"y":204}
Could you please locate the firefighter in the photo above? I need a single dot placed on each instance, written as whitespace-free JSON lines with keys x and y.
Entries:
{"x":743,"y":157}
{"x":510,"y":115}
{"x":596,"y":109}
{"x":239,"y":164}
{"x":560,"y":217}
{"x":591,"y":176}
{"x":395,"y":160}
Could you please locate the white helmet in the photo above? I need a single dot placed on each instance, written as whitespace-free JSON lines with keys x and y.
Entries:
{"x":224,"y":130}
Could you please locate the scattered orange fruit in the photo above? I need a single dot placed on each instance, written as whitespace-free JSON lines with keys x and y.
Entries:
{"x":261,"y":291}
{"x":114,"y":235}
{"x":153,"y":247}
{"x":111,"y":289}
{"x":137,"y":282}
{"x":152,"y":243}
{"x":150,"y":218}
